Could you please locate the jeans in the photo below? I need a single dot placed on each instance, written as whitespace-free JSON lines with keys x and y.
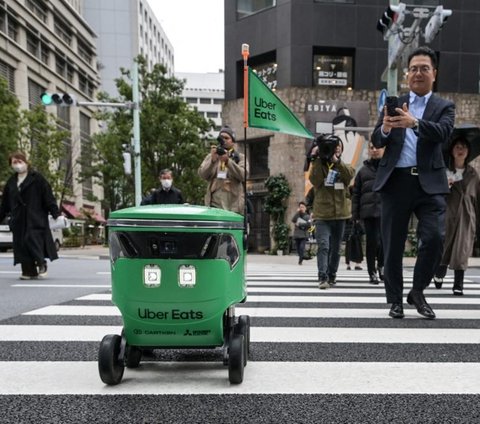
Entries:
{"x":329,"y":235}
{"x":300,"y":246}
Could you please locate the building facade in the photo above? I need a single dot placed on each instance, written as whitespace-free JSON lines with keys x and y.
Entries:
{"x":126,"y":29}
{"x":323,"y":58}
{"x":205,"y":92}
{"x":46,"y":46}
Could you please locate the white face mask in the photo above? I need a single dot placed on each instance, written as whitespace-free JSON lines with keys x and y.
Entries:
{"x":166,"y":184}
{"x":20,"y":168}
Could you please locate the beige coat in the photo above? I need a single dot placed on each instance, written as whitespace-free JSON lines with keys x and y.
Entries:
{"x":225,"y":193}
{"x":463,"y":208}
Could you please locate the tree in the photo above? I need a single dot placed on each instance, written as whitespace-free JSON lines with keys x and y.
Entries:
{"x":36,"y":133}
{"x":275,"y":205}
{"x":10,"y":125}
{"x":42,"y":140}
{"x":172,"y":136}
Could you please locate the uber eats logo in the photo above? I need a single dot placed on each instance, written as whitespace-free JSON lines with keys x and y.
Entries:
{"x":264,"y":109}
{"x":174,"y":314}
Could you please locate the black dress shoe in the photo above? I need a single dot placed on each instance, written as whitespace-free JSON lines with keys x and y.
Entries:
{"x":417,"y":299}
{"x":438,"y":282}
{"x":396,"y":311}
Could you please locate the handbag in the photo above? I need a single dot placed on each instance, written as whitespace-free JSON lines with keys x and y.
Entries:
{"x":59,"y":223}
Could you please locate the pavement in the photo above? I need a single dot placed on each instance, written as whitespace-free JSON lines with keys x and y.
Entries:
{"x":101,"y":252}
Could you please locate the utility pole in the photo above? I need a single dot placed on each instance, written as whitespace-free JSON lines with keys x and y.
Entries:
{"x":392,"y":73}
{"x":136,"y":135}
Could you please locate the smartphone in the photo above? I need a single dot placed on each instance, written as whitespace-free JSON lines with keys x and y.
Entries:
{"x":391,"y":102}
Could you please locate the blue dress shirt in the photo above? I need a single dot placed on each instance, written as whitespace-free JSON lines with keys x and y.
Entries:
{"x":416,"y":106}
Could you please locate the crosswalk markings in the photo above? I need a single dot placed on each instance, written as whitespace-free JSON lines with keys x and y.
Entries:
{"x":286,"y":290}
{"x":261,"y":334}
{"x":260,"y":378}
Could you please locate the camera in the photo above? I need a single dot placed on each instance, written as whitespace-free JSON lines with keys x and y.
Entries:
{"x":221,"y":146}
{"x":221,"y":150}
{"x":327,"y":144}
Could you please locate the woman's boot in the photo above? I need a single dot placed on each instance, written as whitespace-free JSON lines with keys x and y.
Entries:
{"x":458,"y":282}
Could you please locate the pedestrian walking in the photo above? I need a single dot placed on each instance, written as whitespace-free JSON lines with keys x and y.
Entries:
{"x":367,"y":209}
{"x":353,"y":238}
{"x":302,"y":223}
{"x":463,"y":210}
{"x":28,"y":199}
{"x":411,"y":178}
{"x":331,"y":178}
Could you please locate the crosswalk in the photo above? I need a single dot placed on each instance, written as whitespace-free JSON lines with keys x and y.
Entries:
{"x":304,"y":341}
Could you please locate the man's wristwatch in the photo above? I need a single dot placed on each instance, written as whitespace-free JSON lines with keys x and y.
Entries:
{"x":415,"y":125}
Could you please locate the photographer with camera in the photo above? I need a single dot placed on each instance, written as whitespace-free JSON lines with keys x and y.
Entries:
{"x":330,"y":178}
{"x":224,"y":169}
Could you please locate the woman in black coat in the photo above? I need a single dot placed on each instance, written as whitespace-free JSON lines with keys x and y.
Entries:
{"x":27,"y":199}
{"x":366,"y":207}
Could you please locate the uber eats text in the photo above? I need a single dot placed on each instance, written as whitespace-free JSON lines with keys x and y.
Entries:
{"x":264,"y":109}
{"x":174,"y":314}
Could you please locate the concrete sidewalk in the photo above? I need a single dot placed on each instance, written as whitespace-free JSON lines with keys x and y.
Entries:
{"x":101,"y":252}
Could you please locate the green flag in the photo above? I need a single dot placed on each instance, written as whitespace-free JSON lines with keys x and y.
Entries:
{"x":267,"y":111}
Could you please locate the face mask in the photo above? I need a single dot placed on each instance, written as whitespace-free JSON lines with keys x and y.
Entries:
{"x":166,"y":184}
{"x":20,"y":168}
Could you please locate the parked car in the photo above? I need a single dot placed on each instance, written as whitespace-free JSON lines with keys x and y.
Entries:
{"x":6,"y":238}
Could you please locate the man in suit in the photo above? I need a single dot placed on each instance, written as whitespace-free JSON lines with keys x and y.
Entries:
{"x":412,"y":178}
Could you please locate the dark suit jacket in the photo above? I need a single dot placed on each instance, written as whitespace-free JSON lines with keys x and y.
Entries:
{"x":164,"y":197}
{"x":433,"y":134}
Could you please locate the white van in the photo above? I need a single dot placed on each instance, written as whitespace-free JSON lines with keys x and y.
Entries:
{"x":6,"y":239}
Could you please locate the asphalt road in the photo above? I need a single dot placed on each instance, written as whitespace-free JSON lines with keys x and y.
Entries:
{"x":328,"y":356}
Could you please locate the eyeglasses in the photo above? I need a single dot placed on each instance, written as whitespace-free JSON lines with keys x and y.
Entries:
{"x":423,"y":69}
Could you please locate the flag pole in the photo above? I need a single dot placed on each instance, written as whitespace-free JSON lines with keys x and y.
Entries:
{"x":245,"y":54}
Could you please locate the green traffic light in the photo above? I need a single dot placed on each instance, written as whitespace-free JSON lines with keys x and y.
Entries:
{"x":46,"y":99}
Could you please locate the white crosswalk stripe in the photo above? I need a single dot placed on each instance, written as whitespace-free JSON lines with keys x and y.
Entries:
{"x":333,"y":320}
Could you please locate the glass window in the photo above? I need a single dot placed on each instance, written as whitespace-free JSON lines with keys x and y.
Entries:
{"x":38,"y":8}
{"x":34,"y":92}
{"x":191,"y":100}
{"x":204,"y":101}
{"x":85,"y":85}
{"x":86,"y":154}
{"x":332,"y":70}
{"x":250,"y":7}
{"x":268,"y":73}
{"x":212,"y":114}
{"x":12,"y":25}
{"x":33,"y":44}
{"x":84,"y":51}
{"x":62,"y":30}
{"x":258,"y":158}
{"x":7,"y":72}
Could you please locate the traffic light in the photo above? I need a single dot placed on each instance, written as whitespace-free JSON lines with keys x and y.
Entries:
{"x":58,"y":99}
{"x":436,"y":22}
{"x":391,"y":20}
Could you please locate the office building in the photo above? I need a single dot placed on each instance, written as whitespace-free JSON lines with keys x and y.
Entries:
{"x":126,"y":29}
{"x":205,"y":92}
